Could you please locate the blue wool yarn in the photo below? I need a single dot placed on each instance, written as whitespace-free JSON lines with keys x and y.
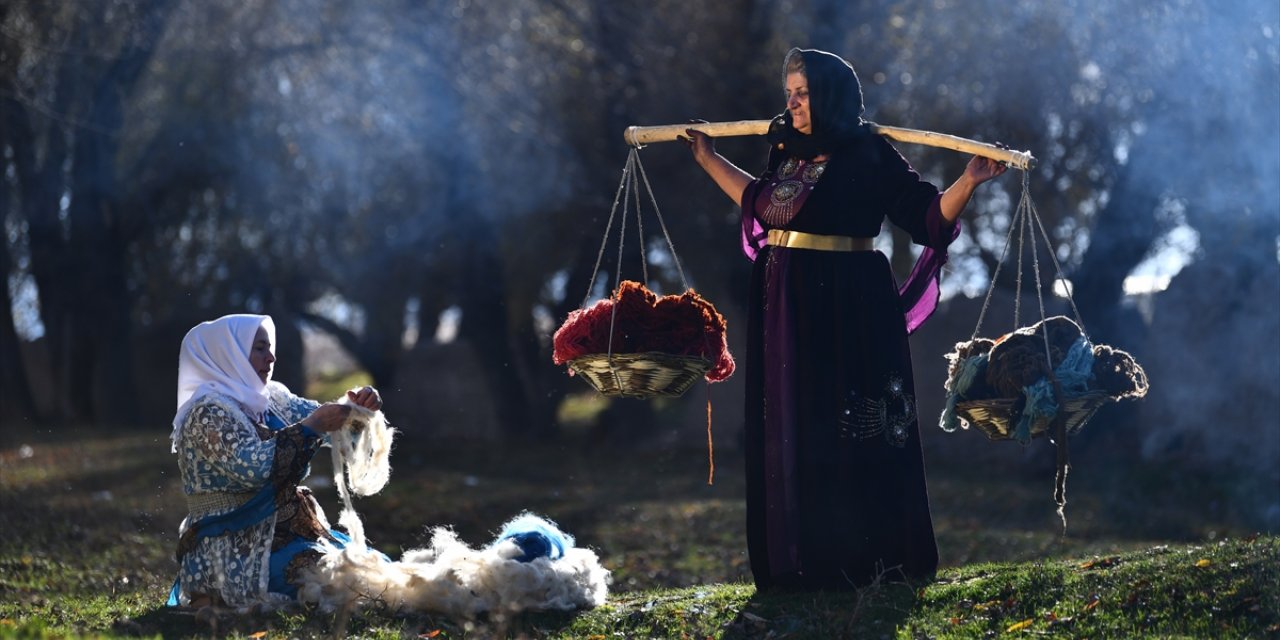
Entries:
{"x":970,"y":369}
{"x":1076,"y":371}
{"x":536,"y":537}
{"x":1040,"y":404}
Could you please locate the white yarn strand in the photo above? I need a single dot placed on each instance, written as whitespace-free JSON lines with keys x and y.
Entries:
{"x":361,"y":452}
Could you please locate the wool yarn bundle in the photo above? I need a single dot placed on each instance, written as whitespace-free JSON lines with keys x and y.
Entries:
{"x":361,"y":452}
{"x":1016,"y":366}
{"x":636,"y":320}
{"x":530,"y":565}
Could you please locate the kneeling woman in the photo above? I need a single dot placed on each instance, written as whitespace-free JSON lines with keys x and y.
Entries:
{"x":244,"y":443}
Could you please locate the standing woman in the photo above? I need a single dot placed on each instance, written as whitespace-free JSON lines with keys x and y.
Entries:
{"x":244,"y":443}
{"x":836,"y":490}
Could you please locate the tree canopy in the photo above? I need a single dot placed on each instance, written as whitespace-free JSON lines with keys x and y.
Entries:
{"x":362,"y":166}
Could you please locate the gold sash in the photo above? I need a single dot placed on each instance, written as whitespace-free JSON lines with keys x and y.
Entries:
{"x":802,"y":240}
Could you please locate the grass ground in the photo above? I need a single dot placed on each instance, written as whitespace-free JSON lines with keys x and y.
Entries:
{"x":89,"y":520}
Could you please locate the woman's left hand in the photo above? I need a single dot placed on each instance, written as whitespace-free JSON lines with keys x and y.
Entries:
{"x":366,"y":397}
{"x":982,"y":169}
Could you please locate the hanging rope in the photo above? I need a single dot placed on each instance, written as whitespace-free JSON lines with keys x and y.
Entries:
{"x":627,"y":189}
{"x":1068,"y":288}
{"x":604,"y":241}
{"x":661,"y":223}
{"x":633,"y":174}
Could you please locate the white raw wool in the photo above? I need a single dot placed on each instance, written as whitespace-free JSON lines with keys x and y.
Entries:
{"x":361,"y":461}
{"x":454,"y":579}
{"x":448,"y":577}
{"x":364,"y":442}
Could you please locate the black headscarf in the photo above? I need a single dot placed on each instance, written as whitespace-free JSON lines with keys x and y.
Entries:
{"x":835,"y":108}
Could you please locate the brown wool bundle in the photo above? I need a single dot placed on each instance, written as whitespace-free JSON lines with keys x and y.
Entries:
{"x":640,"y":321}
{"x":967,"y":353}
{"x":1117,"y":373}
{"x":1017,"y":359}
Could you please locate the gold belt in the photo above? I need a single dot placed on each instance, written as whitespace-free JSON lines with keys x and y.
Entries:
{"x":802,"y":240}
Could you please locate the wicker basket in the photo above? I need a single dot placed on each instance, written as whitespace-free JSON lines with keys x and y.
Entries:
{"x":994,"y":416}
{"x":640,"y":375}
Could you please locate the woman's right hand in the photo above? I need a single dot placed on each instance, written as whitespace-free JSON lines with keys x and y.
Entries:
{"x":327,"y":417}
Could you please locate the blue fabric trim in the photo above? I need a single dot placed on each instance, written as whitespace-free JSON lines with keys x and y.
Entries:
{"x":261,"y":505}
{"x":274,"y":422}
{"x":277,"y":582}
{"x":173,"y":593}
{"x":280,"y":559}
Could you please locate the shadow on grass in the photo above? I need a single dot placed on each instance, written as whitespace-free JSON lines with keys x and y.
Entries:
{"x":171,"y":622}
{"x":874,"y":611}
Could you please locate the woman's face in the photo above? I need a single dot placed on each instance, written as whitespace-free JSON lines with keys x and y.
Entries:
{"x":262,"y":354}
{"x":798,"y":102}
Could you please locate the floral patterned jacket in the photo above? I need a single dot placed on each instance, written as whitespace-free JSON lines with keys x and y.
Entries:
{"x":225,"y":456}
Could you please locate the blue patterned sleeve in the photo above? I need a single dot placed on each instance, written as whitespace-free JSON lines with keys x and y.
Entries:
{"x":293,"y":407}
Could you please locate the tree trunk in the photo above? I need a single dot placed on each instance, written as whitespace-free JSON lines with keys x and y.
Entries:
{"x":1121,"y":238}
{"x":102,"y":384}
{"x":15,"y":392}
{"x":87,"y":320}
{"x":16,"y":402}
{"x":482,"y":292}
{"x":41,"y":188}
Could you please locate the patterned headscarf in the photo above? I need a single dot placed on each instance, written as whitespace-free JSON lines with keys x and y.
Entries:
{"x":215,"y":359}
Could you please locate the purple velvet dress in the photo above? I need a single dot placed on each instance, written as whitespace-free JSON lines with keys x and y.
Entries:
{"x":835,"y":475}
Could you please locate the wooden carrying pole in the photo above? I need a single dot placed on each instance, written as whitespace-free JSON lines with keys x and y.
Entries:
{"x":637,"y":136}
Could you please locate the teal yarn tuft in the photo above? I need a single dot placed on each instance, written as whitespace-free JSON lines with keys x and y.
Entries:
{"x":970,"y":369}
{"x":1075,"y":373}
{"x":1040,"y":404}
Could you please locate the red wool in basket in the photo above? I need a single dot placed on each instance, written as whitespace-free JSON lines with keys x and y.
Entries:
{"x":685,"y":325}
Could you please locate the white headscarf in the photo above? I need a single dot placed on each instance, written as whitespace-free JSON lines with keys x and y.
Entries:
{"x":215,"y":359}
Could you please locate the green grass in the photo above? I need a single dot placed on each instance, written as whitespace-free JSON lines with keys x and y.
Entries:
{"x":1224,"y":590}
{"x":88,"y":523}
{"x":335,"y":387}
